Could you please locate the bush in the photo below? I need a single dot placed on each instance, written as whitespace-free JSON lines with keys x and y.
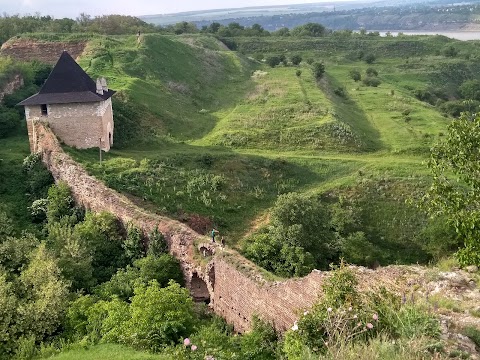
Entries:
{"x":159,"y":316}
{"x":157,"y":245}
{"x":291,"y":246}
{"x":273,"y":61}
{"x":470,"y":89}
{"x":369,"y":58}
{"x":371,"y":72}
{"x":345,"y":317}
{"x":133,"y":243}
{"x":296,"y":59}
{"x":340,"y":91}
{"x":298,"y":73}
{"x":372,"y":81}
{"x":318,"y":70}
{"x":355,"y":75}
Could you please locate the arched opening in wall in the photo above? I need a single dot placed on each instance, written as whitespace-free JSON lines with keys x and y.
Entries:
{"x":199,"y":289}
{"x":110,"y":138}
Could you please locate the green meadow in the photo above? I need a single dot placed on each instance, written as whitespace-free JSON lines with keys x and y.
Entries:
{"x":212,"y":137}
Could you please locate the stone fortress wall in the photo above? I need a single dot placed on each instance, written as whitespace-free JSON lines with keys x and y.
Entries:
{"x":233,"y":294}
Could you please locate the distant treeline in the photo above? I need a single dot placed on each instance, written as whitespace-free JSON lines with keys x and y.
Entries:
{"x":412,"y":17}
{"x":122,"y":25}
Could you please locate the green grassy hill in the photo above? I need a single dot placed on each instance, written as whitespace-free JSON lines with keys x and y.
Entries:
{"x":212,"y":137}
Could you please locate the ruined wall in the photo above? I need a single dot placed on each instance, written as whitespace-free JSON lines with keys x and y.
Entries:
{"x":94,"y":195}
{"x":47,"y":52}
{"x":238,"y":297}
{"x":233,"y":294}
{"x":82,"y":125}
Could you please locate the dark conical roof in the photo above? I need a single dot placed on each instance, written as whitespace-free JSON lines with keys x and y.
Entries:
{"x":67,"y":83}
{"x":67,"y":76}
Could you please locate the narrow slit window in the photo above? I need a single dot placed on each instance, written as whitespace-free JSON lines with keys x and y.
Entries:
{"x":44,"y":109}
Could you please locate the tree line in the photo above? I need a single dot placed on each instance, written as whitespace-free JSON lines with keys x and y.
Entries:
{"x":14,"y":25}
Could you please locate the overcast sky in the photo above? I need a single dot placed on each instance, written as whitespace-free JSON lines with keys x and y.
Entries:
{"x":71,"y":8}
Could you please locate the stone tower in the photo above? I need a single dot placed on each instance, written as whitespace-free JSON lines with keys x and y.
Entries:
{"x":77,"y":109}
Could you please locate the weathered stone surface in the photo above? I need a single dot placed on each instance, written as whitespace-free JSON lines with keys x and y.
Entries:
{"x":47,"y":52}
{"x":82,"y":125}
{"x":15,"y":83}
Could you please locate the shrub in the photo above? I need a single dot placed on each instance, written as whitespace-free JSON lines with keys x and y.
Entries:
{"x":369,"y":58}
{"x":60,"y":202}
{"x":133,"y":243}
{"x":470,"y":89}
{"x":450,"y":51}
{"x":355,"y":75}
{"x":273,"y":61}
{"x":298,"y":73}
{"x":340,"y":91}
{"x":157,"y":245}
{"x":371,"y":72}
{"x":318,"y":70}
{"x":371,"y":81}
{"x":346,"y":317}
{"x":296,"y":59}
{"x":159,"y":316}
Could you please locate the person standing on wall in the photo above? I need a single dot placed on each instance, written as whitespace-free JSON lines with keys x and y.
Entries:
{"x":213,"y":233}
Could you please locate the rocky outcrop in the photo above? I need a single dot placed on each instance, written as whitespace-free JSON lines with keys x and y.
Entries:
{"x":14,"y":84}
{"x":47,"y":52}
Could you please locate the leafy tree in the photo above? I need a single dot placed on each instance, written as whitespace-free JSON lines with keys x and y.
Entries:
{"x":455,"y":193}
{"x":214,"y":27}
{"x":371,"y":81}
{"x":132,"y":245}
{"x":299,"y":237}
{"x":355,"y":75}
{"x":74,"y":255}
{"x":371,"y":72}
{"x":8,"y":316}
{"x":157,"y":245}
{"x":101,"y":235}
{"x":161,"y":269}
{"x":470,"y":89}
{"x":282,"y":32}
{"x":46,"y":295}
{"x":6,"y":225}
{"x":273,"y":61}
{"x":14,"y":252}
{"x":296,"y":59}
{"x":318,"y":69}
{"x":369,"y":58}
{"x":60,"y":202}
{"x":261,"y":342}
{"x":309,"y":29}
{"x":159,"y":316}
{"x":450,"y":51}
{"x":10,"y":120}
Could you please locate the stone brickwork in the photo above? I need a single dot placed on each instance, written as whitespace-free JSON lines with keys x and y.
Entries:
{"x":82,"y":125}
{"x":232,"y":294}
{"x":47,"y":52}
{"x":238,"y":297}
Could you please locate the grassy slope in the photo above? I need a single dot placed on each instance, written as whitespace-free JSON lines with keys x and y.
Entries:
{"x":232,"y":142}
{"x":107,"y":352}
{"x":13,"y":180}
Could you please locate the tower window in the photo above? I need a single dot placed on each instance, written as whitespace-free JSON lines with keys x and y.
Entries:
{"x":44,"y":109}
